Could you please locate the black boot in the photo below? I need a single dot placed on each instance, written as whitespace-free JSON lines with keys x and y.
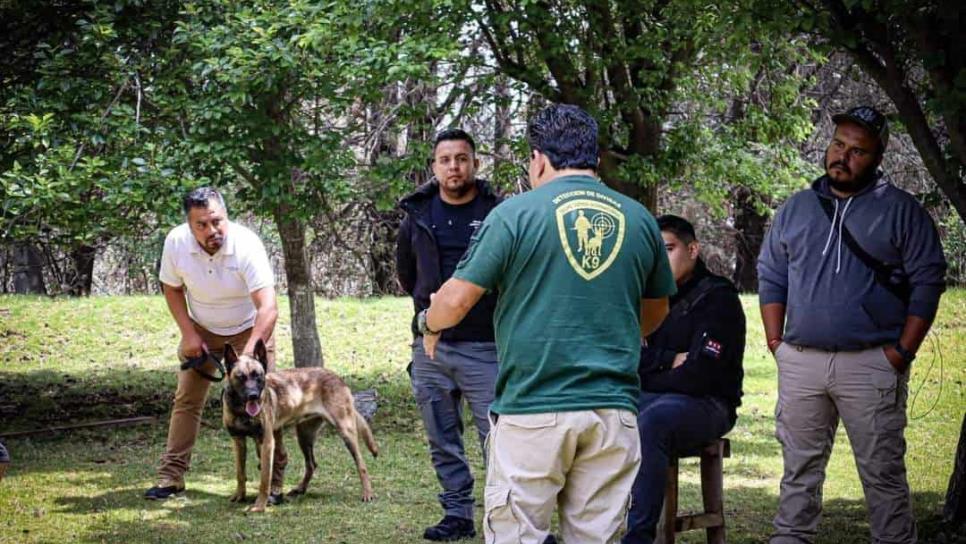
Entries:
{"x":450,"y":528}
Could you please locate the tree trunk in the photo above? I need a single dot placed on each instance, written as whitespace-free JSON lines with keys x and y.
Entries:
{"x":943,"y":170}
{"x":82,"y":275}
{"x":382,"y":251}
{"x":420,"y":96}
{"x":4,"y":268}
{"x":305,"y":335}
{"x":954,"y":512}
{"x":750,"y":232}
{"x":28,"y":270}
{"x":608,"y":172}
{"x":502,"y":123}
{"x":644,"y":141}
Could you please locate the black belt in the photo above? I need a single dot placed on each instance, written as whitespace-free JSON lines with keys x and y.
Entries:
{"x":197,"y":362}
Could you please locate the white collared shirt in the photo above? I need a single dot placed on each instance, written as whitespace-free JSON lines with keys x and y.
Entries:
{"x":218,"y":286}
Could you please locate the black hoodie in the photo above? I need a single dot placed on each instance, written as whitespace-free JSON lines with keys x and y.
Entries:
{"x":418,"y":263}
{"x":711,"y":332}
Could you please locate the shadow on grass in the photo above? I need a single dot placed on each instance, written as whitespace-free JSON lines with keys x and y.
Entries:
{"x":749,"y":512}
{"x":46,"y":398}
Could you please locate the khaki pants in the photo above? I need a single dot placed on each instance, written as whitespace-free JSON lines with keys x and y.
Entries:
{"x":189,"y":402}
{"x":582,"y":462}
{"x":815,"y":389}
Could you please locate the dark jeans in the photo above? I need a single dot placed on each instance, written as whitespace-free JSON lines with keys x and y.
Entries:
{"x":461,"y":370}
{"x":670,"y":424}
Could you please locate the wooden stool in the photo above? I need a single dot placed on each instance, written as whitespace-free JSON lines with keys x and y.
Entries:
{"x":712,"y":494}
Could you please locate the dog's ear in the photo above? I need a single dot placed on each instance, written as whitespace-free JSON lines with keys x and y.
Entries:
{"x":230,"y":358}
{"x":261,"y":354}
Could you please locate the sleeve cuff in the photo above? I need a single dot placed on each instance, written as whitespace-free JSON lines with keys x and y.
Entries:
{"x":924,"y":305}
{"x":467,"y":275}
{"x":771,"y":295}
{"x":171,"y":282}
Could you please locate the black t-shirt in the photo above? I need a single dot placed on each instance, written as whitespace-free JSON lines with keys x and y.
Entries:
{"x":453,"y":225}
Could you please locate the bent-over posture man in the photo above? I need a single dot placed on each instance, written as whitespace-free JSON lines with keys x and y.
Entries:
{"x":569,"y":322}
{"x":690,"y":371}
{"x":850,"y":275}
{"x":219,"y":287}
{"x":440,"y":218}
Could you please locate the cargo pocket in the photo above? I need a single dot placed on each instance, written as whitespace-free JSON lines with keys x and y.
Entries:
{"x":890,"y":410}
{"x":501,"y":524}
{"x":531,"y":421}
{"x":779,"y":424}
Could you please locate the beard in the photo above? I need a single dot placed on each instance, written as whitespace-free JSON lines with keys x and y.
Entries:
{"x":858,"y":182}
{"x":214,"y":242}
{"x":461,"y":190}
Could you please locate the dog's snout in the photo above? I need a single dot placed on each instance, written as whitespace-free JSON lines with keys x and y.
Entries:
{"x":252,"y":395}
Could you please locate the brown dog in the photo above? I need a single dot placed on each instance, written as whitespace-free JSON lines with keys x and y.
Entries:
{"x":260,"y":405}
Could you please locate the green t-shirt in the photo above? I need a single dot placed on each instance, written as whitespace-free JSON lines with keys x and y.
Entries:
{"x":572,"y":260}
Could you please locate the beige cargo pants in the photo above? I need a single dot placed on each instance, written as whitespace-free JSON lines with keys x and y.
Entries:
{"x":582,"y":462}
{"x":815,"y":389}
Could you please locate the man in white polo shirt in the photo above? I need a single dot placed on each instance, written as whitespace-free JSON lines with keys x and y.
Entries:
{"x":220,"y":289}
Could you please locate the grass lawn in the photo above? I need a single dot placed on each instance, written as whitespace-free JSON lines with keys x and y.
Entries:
{"x":78,"y":360}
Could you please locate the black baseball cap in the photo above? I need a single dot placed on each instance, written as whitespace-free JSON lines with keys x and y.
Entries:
{"x":868,"y":118}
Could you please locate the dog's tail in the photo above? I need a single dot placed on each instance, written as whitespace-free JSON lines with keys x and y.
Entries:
{"x":366,"y":433}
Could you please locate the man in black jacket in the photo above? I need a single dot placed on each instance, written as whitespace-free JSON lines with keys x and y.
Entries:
{"x":440,"y":218}
{"x":690,"y":373}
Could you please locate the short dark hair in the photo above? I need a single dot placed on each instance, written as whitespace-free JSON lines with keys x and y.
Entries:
{"x":678,"y":226}
{"x":453,"y":134}
{"x":567,"y":135}
{"x":198,"y":198}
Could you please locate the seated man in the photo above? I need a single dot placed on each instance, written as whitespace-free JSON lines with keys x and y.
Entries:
{"x":690,"y":374}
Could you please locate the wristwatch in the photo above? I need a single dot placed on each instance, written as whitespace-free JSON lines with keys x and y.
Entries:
{"x":907,"y":356}
{"x":421,"y":325}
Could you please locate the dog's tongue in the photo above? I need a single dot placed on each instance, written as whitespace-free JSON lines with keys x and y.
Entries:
{"x":252,"y":407}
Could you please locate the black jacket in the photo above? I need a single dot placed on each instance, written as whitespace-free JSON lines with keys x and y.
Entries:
{"x":417,"y":262}
{"x":711,"y":330}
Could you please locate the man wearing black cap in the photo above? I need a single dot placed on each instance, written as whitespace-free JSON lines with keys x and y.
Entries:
{"x":850,"y":277}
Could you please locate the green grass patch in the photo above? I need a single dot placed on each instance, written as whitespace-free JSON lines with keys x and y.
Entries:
{"x":66,"y":361}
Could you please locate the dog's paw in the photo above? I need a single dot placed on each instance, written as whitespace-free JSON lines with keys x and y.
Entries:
{"x":256,"y":508}
{"x":237,"y":496}
{"x":368,"y":497}
{"x":296,"y":491}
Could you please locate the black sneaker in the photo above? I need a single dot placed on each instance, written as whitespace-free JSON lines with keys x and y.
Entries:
{"x":158,"y":493}
{"x":450,"y":528}
{"x":550,"y":539}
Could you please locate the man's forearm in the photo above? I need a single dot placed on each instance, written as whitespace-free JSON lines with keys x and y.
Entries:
{"x":445,"y":312}
{"x":773,"y":319}
{"x":266,"y":313}
{"x":451,"y":303}
{"x":914,"y":332}
{"x":262,"y":329}
{"x":174,"y":297}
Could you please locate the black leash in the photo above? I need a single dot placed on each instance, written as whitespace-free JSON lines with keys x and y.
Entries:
{"x":197,"y":362}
